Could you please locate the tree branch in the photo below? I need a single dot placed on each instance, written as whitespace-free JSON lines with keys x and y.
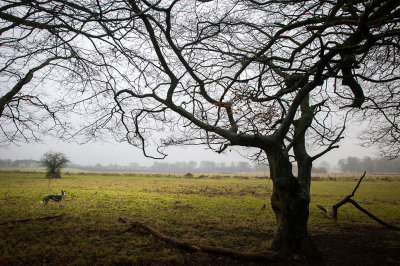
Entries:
{"x":332,"y":214}
{"x":264,"y":256}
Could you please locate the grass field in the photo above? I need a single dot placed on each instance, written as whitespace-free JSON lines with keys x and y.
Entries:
{"x":223,"y":211}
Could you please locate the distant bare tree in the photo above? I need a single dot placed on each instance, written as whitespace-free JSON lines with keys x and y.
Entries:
{"x":54,"y":162}
{"x":276,"y":77}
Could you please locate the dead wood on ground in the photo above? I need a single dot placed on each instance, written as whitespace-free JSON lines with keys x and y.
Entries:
{"x":332,"y":214}
{"x":191,"y":246}
{"x":33,"y":219}
{"x":262,"y":209}
{"x":183,"y":207}
{"x":6,"y":197}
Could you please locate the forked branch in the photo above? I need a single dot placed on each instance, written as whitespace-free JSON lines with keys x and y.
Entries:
{"x":332,"y":214}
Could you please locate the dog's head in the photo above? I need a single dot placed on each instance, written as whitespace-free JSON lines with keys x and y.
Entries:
{"x":63,"y":193}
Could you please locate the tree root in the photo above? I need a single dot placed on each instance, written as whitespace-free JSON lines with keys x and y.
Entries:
{"x":264,"y":256}
{"x":32,"y":219}
{"x":332,"y":214}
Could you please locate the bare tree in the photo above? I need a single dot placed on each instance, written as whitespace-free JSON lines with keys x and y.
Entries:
{"x":44,"y":66}
{"x":268,"y":75}
{"x":276,"y":77}
{"x":383,"y":129}
{"x":54,"y":163}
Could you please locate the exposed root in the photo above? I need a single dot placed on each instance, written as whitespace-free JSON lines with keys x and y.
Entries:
{"x":187,"y":245}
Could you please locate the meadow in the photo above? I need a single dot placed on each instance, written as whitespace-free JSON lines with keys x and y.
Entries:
{"x":224,"y":211}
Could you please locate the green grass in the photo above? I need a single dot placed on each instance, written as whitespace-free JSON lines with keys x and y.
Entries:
{"x":214,"y":211}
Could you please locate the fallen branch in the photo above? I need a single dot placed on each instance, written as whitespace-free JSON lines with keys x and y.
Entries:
{"x":32,"y":219}
{"x":183,"y":207}
{"x":265,"y":256}
{"x":262,"y":209}
{"x":327,"y":213}
{"x":10,"y":197}
{"x":332,"y":214}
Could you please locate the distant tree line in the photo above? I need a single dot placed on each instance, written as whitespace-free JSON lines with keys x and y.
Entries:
{"x":162,"y":167}
{"x":208,"y":166}
{"x":371,"y":165}
{"x":178,"y":167}
{"x":324,"y":167}
{"x":19,"y":163}
{"x":349,"y":165}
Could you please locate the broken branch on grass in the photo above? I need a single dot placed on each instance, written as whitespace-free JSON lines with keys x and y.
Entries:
{"x":10,"y":197}
{"x":183,"y":206}
{"x":32,"y":219}
{"x":332,"y":214}
{"x":187,"y":245}
{"x":262,"y":209}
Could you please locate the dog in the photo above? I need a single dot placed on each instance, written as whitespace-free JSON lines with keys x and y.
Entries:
{"x":57,"y":198}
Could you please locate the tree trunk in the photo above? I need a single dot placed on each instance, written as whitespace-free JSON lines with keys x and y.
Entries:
{"x":290,"y":202}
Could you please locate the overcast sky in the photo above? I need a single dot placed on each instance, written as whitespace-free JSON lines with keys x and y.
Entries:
{"x":123,"y":154}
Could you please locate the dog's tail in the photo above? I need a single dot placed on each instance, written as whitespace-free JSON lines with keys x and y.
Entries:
{"x":41,"y":202}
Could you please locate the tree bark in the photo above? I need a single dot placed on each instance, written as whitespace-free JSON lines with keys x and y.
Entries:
{"x":290,"y":202}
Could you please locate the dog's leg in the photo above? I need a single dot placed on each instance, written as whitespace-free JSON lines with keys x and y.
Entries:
{"x":45,"y":203}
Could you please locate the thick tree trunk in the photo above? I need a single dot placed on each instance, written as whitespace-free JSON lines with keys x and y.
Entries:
{"x":290,"y":202}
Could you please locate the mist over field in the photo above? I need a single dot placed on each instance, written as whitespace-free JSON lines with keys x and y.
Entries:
{"x":106,"y":153}
{"x":125,"y":156}
{"x":347,"y":165}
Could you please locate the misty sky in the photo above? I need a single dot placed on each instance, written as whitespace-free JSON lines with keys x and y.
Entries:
{"x":123,"y":154}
